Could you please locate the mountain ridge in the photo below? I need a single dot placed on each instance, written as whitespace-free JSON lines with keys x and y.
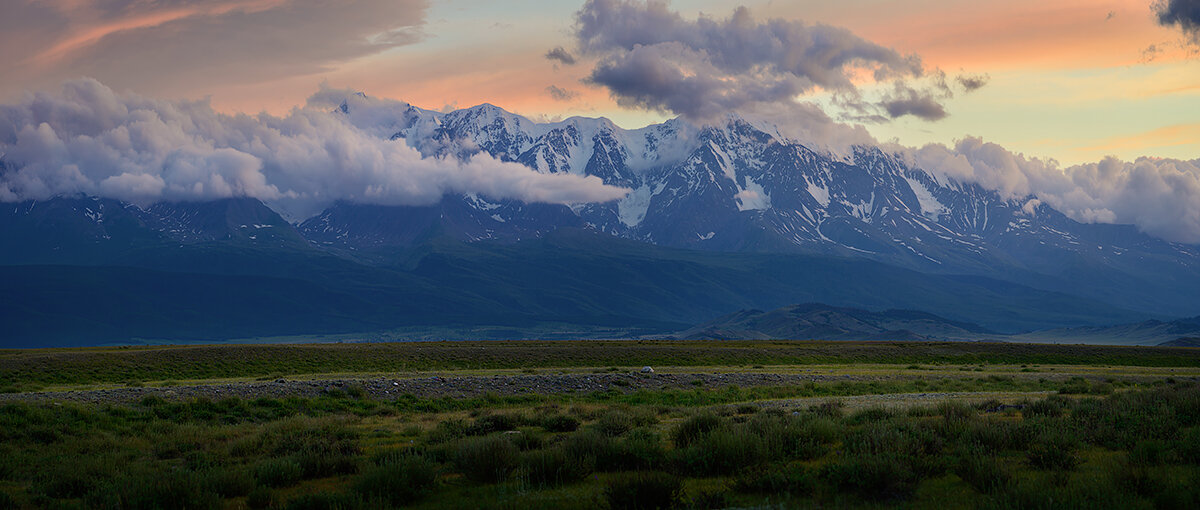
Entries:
{"x":715,"y":211}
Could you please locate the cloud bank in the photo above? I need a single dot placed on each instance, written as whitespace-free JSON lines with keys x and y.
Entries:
{"x":650,"y":57}
{"x":1159,"y":196}
{"x":88,"y":139}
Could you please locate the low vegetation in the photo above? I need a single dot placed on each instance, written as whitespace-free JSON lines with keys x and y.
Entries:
{"x":1111,"y":446}
{"x":24,"y":370}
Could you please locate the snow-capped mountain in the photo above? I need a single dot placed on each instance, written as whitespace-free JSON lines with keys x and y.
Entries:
{"x":734,"y":186}
{"x":741,"y":186}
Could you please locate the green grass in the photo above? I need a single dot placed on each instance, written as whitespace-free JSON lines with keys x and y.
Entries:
{"x":22,"y":370}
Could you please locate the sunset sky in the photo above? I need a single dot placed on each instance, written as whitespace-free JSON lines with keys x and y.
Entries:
{"x":1072,"y":80}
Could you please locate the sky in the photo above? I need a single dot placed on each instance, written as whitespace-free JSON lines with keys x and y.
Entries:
{"x":1072,"y":80}
{"x":1093,"y":103}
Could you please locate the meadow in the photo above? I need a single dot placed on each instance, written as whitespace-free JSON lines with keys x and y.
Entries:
{"x":33,"y":369}
{"x":1026,"y":427}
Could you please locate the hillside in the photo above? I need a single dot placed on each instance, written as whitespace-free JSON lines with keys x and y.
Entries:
{"x":823,"y":322}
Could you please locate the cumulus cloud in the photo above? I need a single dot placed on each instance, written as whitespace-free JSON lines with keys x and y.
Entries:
{"x":904,"y":100}
{"x":1157,"y":195}
{"x":561,"y":55}
{"x":561,"y":94}
{"x":1182,"y":13}
{"x":88,"y":139}
{"x":182,"y":46}
{"x":650,"y":57}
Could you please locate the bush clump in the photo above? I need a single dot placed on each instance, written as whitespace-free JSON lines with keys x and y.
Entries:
{"x":560,"y":423}
{"x":278,"y":472}
{"x":644,"y":490}
{"x":486,"y":459}
{"x":984,"y":472}
{"x":399,"y":479}
{"x":1054,"y":450}
{"x":550,"y":468}
{"x":876,"y":477}
{"x":693,"y":428}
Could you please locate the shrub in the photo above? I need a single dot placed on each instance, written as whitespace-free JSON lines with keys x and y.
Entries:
{"x":589,"y":448}
{"x":989,"y":405}
{"x":1075,"y":386}
{"x":983,"y":472}
{"x":1053,"y":450}
{"x":879,"y":477}
{"x":560,"y":423}
{"x":319,"y":464}
{"x":229,"y":483}
{"x":995,"y":435}
{"x":954,"y":412}
{"x":640,"y":449}
{"x":1152,"y":452}
{"x":831,"y":409}
{"x":527,"y":439}
{"x":1189,"y":445}
{"x":493,"y":423}
{"x":447,"y":430}
{"x":792,"y":437}
{"x":278,"y":472}
{"x":486,"y":459}
{"x":68,"y":478}
{"x":643,"y":491}
{"x":322,"y":447}
{"x":174,"y":489}
{"x":615,"y":422}
{"x":793,"y":479}
{"x":261,"y":497}
{"x":550,"y":468}
{"x":1046,"y":408}
{"x":901,"y":439}
{"x":722,"y":451}
{"x":323,"y":501}
{"x":399,"y":479}
{"x":710,"y":499}
{"x":693,"y":428}
{"x":870,"y":415}
{"x":747,"y":409}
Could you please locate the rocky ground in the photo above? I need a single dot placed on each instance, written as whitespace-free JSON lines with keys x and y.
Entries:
{"x":436,"y":386}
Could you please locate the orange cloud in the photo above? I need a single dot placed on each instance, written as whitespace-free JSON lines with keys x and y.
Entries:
{"x":86,"y":35}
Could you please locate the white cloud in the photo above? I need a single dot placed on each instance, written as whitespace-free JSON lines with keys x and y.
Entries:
{"x":1159,"y":196}
{"x":88,"y":139}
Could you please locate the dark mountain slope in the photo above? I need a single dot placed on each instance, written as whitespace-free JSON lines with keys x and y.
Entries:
{"x":823,"y":322}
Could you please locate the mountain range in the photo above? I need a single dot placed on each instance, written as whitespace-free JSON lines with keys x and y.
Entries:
{"x":721,"y":217}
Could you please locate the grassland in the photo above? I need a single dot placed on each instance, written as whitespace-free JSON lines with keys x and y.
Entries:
{"x":40,"y":368}
{"x":891,"y":425}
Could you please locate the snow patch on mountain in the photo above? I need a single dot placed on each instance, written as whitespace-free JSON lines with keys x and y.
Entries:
{"x":930,"y":207}
{"x":752,"y":197}
{"x":818,"y":192}
{"x":631,"y":210}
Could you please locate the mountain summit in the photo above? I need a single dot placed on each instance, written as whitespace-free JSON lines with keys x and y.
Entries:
{"x":739,"y":186}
